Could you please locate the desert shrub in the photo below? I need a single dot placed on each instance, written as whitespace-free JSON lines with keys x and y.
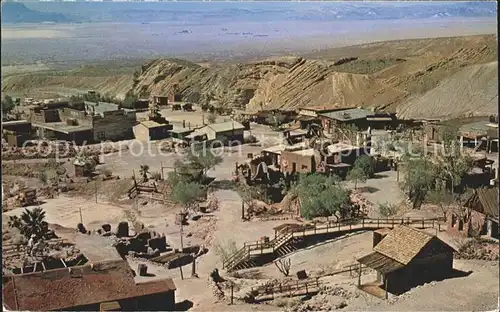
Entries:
{"x":225,"y":250}
{"x":250,"y":139}
{"x":387,"y":209}
{"x":156,"y":176}
{"x":107,"y":173}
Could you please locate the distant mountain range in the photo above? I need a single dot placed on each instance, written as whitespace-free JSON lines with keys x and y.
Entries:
{"x":16,"y":12}
{"x":203,"y":12}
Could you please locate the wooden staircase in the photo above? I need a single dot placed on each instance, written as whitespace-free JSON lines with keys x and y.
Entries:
{"x":286,"y":242}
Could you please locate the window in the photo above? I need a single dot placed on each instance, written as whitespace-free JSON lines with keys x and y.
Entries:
{"x":304,"y":166}
{"x":101,"y":135}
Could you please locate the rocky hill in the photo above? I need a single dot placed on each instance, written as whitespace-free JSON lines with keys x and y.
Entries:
{"x":416,"y":78}
{"x":417,"y":74}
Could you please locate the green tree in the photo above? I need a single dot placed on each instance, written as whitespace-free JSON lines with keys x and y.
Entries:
{"x":31,"y":222}
{"x":187,"y":194}
{"x":130,"y":100}
{"x":356,"y":174}
{"x":199,"y":158}
{"x":322,"y":196}
{"x":366,"y":164}
{"x":419,"y":178}
{"x":7,"y":104}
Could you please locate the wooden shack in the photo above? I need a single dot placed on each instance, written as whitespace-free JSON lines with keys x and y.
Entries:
{"x":405,"y":258}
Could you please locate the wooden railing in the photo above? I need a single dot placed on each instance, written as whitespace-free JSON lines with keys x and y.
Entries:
{"x":262,"y":247}
{"x":286,"y":288}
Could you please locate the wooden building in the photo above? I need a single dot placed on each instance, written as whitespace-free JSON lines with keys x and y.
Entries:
{"x":179,"y":134}
{"x":160,"y":100}
{"x":96,"y":287}
{"x":150,"y":130}
{"x":404,"y":258}
{"x":345,"y":117}
{"x":141,"y":104}
{"x":480,"y":216}
{"x":310,"y":115}
{"x":16,"y":132}
{"x":225,"y":132}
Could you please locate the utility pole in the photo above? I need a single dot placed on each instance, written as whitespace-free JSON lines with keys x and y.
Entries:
{"x":95,"y":184}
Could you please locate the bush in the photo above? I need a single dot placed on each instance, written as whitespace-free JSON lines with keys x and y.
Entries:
{"x":107,"y":173}
{"x":250,"y":139}
{"x":226,"y":250}
{"x":156,"y":176}
{"x":387,"y":209}
{"x":211,"y":118}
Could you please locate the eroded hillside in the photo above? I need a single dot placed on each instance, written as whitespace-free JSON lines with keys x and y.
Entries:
{"x":409,"y":76}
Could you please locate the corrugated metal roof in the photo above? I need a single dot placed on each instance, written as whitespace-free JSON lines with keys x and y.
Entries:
{"x":380,"y":263}
{"x":403,"y":243}
{"x":226,"y":126}
{"x":348,"y":114}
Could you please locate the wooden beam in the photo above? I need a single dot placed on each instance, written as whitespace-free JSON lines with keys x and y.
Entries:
{"x":386,"y":287}
{"x":359,"y":275}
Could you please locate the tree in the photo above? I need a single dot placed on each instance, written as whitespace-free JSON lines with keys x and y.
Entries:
{"x":144,"y":171}
{"x":442,"y":199}
{"x":203,"y":159}
{"x":366,"y":164}
{"x":322,"y":196}
{"x":130,"y":100}
{"x":211,"y":118}
{"x":186,"y":194}
{"x":356,"y":174}
{"x":7,"y":104}
{"x":419,"y":178}
{"x":31,"y":222}
{"x":276,"y":119}
{"x":248,"y":194}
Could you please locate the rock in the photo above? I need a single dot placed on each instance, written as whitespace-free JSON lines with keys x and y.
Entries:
{"x":81,"y":228}
{"x":122,"y":230}
{"x":106,"y":227}
{"x":138,"y":226}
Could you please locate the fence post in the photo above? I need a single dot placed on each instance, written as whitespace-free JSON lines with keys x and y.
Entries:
{"x":315,"y":228}
{"x":432,"y":223}
{"x":392,"y":222}
{"x":350,"y":225}
{"x":363,"y":222}
{"x":307,"y":290}
{"x":327,"y":225}
{"x":378,"y":222}
{"x":423,"y":223}
{"x":338,"y":222}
